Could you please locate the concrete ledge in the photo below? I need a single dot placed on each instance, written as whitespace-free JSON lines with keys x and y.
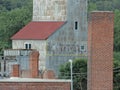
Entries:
{"x":15,"y":79}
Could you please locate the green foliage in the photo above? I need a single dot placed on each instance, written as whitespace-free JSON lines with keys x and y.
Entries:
{"x":116,"y":71}
{"x":92,"y":7}
{"x":117,"y":30}
{"x":79,"y":73}
{"x":13,"y":20}
{"x":7,"y":5}
{"x":105,"y":5}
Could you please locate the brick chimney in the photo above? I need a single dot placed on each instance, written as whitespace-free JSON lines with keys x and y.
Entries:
{"x":15,"y":70}
{"x":34,"y":58}
{"x":100,"y":51}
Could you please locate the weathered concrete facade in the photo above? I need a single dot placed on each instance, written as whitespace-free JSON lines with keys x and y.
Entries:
{"x":70,"y":41}
{"x":49,"y":10}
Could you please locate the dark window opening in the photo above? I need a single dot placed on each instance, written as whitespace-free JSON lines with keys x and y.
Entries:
{"x":27,"y":46}
{"x":82,"y":48}
{"x":76,"y":25}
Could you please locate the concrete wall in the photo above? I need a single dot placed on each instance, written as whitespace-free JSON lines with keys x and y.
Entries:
{"x":67,"y":42}
{"x":49,"y":10}
{"x":34,"y":84}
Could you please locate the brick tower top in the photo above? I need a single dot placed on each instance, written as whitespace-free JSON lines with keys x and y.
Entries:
{"x":49,"y":10}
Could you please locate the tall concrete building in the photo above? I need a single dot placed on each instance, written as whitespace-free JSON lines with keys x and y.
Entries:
{"x":58,"y":31}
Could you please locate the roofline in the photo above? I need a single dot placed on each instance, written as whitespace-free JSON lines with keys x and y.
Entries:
{"x":45,"y":38}
{"x":48,"y":21}
{"x":56,"y":30}
{"x":28,"y":39}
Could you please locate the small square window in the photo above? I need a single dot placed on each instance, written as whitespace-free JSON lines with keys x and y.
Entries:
{"x":82,"y":48}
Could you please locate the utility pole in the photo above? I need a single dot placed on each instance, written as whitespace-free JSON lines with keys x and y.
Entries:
{"x":71,"y":74}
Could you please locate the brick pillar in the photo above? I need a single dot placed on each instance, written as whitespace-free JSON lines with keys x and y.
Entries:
{"x":100,"y":51}
{"x":15,"y":70}
{"x":34,"y":58}
{"x":49,"y":74}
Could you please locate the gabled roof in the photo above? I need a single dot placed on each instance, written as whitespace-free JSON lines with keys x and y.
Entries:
{"x":37,"y":30}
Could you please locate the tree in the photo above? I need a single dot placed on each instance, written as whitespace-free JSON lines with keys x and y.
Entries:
{"x":13,"y":4}
{"x":11,"y":22}
{"x":92,"y":6}
{"x":117,"y":31}
{"x":116,"y":80}
{"x":79,"y":73}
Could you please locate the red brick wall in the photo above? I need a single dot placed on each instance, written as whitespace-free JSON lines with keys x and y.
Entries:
{"x":34,"y":56}
{"x":49,"y":74}
{"x":15,"y":70}
{"x":34,"y":86}
{"x":100,"y":51}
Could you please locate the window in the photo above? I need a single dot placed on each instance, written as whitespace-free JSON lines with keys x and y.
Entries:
{"x":82,"y":48}
{"x":27,"y":46}
{"x":76,"y":25}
